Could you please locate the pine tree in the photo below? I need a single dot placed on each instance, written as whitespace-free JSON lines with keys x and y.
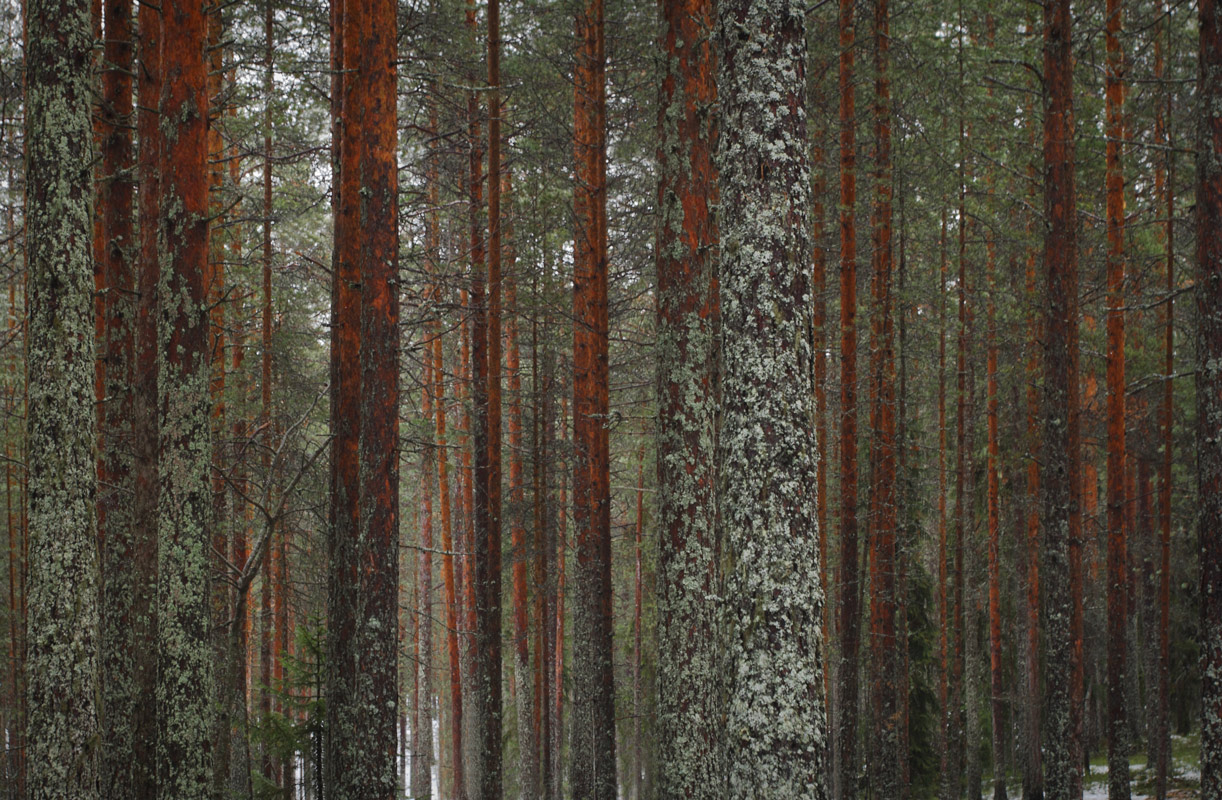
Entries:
{"x":62,"y":668}
{"x":775,"y":718}
{"x":689,"y":669}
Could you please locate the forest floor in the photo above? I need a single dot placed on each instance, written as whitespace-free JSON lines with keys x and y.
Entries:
{"x":1185,"y":773}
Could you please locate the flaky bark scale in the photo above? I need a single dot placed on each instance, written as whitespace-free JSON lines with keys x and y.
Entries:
{"x":62,"y":660}
{"x":775,"y":717}
{"x":690,"y":675}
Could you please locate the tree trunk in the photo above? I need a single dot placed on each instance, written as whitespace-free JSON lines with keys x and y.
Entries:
{"x":848,"y":627}
{"x":184,"y":672}
{"x":1165,"y":176}
{"x":690,"y":673}
{"x":62,"y":661}
{"x":1060,"y":478}
{"x":363,"y":599}
{"x":146,"y":422}
{"x":1117,"y":557}
{"x":767,"y":517}
{"x":593,"y":751}
{"x":885,"y":774}
{"x":119,"y":575}
{"x":1209,"y":391}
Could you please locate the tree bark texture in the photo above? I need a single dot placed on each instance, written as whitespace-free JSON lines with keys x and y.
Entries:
{"x":1059,"y":477}
{"x":593,"y":737}
{"x":62,"y":657}
{"x":691,"y":679}
{"x":775,"y":716}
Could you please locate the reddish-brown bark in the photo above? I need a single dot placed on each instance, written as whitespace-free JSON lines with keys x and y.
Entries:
{"x":943,"y":563}
{"x":849,"y":624}
{"x":1061,"y":480}
{"x":530,"y":688}
{"x":593,"y":751}
{"x":362,"y":664}
{"x":145,"y":421}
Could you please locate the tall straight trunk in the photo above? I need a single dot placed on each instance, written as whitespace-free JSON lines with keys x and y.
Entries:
{"x":820,"y":343}
{"x":943,"y":562}
{"x":1209,"y":391}
{"x":488,"y":547}
{"x":885,"y":773}
{"x":1033,"y":770}
{"x":849,"y":623}
{"x":184,"y":673}
{"x":421,"y":781}
{"x":773,"y":601}
{"x":955,"y":718}
{"x":561,"y":577}
{"x":62,"y":662}
{"x":120,"y":695}
{"x":146,"y":423}
{"x":690,"y":675}
{"x":997,"y":688}
{"x":544,"y":564}
{"x":529,"y":690}
{"x":593,"y":751}
{"x":266,"y":617}
{"x":1117,"y":557}
{"x":1165,"y":177}
{"x":1060,"y":479}
{"x":363,"y":598}
{"x":480,"y":714}
{"x":215,"y":283}
{"x":447,"y":537}
{"x":638,"y":708}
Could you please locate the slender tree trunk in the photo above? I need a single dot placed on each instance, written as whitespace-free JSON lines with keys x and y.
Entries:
{"x":184,"y":657}
{"x":1209,"y":391}
{"x":1060,"y":479}
{"x":62,"y":662}
{"x":421,"y":782}
{"x":593,"y":750}
{"x":488,"y":547}
{"x":362,"y":604}
{"x":690,"y":673}
{"x":1117,"y":557}
{"x":944,"y":621}
{"x":529,"y":690}
{"x":1165,"y":169}
{"x":542,"y":576}
{"x":848,"y":627}
{"x":997,"y":688}
{"x":885,"y":774}
{"x":1033,"y":770}
{"x":767,"y":517}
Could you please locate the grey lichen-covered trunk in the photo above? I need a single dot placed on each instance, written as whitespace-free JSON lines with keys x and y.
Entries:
{"x":62,"y":666}
{"x":690,"y":669}
{"x":775,"y":724}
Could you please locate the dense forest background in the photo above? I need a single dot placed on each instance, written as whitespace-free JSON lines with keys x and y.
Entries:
{"x":948,"y":372}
